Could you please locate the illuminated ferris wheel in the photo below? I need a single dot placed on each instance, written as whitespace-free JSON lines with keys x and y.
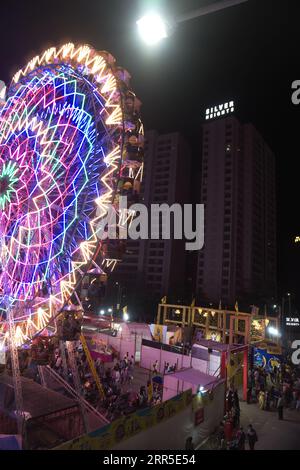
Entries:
{"x":70,"y":140}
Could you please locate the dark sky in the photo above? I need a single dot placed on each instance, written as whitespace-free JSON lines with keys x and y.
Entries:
{"x":249,"y":53}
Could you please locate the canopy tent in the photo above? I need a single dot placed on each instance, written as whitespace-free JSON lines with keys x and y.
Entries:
{"x":129,"y":329}
{"x":186,"y":379}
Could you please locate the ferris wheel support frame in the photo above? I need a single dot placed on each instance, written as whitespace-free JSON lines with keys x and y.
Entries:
{"x":62,"y":349}
{"x":15,"y":365}
{"x":76,"y":381}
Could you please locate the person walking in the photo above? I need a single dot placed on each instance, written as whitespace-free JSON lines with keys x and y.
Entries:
{"x":280,"y":408}
{"x":298,"y":402}
{"x":252,"y":437}
{"x":189,"y":445}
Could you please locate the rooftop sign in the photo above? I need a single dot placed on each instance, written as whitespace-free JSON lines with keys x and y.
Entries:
{"x":292,"y":321}
{"x":220,"y":110}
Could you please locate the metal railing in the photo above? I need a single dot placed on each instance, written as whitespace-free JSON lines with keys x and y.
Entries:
{"x":84,"y":403}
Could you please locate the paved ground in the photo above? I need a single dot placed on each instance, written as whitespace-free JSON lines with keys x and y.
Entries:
{"x":140,"y":377}
{"x":272,"y":433}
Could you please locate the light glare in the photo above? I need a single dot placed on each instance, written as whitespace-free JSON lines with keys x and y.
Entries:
{"x":273,"y":331}
{"x":152,"y":28}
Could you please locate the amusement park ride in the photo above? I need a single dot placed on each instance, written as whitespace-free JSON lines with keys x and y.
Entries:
{"x":71,"y":143}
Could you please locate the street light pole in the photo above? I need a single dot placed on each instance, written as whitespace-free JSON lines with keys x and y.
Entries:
{"x":216,"y":6}
{"x":290,"y":305}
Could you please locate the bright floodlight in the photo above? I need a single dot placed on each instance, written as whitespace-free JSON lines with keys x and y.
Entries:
{"x":273,"y":331}
{"x":152,"y":28}
{"x":102,"y":312}
{"x":2,"y":90}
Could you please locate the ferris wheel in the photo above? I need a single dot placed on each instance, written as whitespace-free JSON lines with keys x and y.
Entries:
{"x":70,"y":140}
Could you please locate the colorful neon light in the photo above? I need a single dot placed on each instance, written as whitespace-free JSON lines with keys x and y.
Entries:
{"x":61,"y":132}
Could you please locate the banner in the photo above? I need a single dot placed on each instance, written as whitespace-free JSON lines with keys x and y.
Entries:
{"x":112,"y":434}
{"x":266,"y":359}
{"x":159,"y":332}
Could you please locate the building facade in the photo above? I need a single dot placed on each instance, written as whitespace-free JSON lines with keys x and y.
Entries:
{"x":238,"y":261}
{"x":158,"y":267}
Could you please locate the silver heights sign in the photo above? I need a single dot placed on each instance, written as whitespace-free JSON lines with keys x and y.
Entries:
{"x":220,"y":110}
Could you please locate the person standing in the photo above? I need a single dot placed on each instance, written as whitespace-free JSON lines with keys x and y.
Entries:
{"x":280,"y":408}
{"x":250,"y":378}
{"x":235,"y":416}
{"x":261,"y":400}
{"x":241,"y":439}
{"x":155,"y":367}
{"x":249,"y":392}
{"x":236,"y":401}
{"x":252,"y":437}
{"x":229,"y":400}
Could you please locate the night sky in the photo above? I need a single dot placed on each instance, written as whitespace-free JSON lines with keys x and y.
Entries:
{"x":249,"y":53}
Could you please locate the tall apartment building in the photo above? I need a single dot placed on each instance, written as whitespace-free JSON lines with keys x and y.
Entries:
{"x":238,"y":261}
{"x":158,"y":266}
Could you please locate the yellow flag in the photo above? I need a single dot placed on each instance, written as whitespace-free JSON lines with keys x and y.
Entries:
{"x":236,"y":322}
{"x":193,"y":302}
{"x":164,"y":300}
{"x":125,"y":309}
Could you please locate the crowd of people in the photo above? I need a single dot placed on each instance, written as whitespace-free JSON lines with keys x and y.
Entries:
{"x":231,"y":434}
{"x":239,"y":439}
{"x":168,"y":368}
{"x":272,"y":390}
{"x":275,"y":389}
{"x":120,"y":397}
